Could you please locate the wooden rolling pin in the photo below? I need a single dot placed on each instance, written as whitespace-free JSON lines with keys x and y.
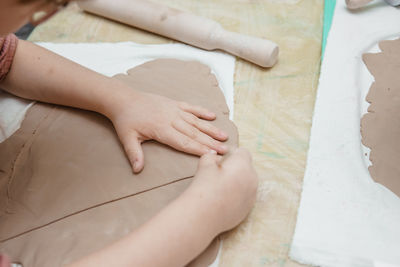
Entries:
{"x":185,"y":27}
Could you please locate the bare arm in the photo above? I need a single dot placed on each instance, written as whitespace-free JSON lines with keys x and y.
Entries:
{"x":172,"y":238}
{"x":219,"y":198}
{"x":39,"y":74}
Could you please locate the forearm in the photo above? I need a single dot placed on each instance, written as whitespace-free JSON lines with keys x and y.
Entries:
{"x":173,"y":237}
{"x":42,"y":75}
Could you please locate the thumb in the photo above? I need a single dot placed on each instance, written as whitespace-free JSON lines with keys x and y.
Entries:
{"x":237,"y":157}
{"x":133,"y":150}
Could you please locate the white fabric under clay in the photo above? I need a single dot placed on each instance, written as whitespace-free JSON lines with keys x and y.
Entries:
{"x":345,"y":218}
{"x":113,"y":58}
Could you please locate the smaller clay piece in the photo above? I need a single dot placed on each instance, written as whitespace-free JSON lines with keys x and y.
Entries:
{"x":380,"y":127}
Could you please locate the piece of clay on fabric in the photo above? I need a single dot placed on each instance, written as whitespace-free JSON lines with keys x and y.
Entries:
{"x":66,"y":163}
{"x":380,"y":127}
{"x":69,"y":239}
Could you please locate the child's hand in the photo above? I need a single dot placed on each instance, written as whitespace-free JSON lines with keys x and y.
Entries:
{"x":136,"y":116}
{"x":228,"y":187}
{"x":142,"y":116}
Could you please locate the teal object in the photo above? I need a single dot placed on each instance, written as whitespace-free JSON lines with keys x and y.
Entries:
{"x":329,"y":9}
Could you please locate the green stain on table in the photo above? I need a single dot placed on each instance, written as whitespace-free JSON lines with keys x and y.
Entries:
{"x":272,"y":261}
{"x":329,"y":9}
{"x":298,"y":145}
{"x":272,"y":154}
{"x":264,"y":260}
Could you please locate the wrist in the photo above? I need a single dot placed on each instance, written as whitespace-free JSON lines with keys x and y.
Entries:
{"x":113,"y":97}
{"x":204,"y":210}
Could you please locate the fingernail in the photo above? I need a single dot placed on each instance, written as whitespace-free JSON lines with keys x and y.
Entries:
{"x":223,"y":134}
{"x":212,"y":152}
{"x":134,"y":165}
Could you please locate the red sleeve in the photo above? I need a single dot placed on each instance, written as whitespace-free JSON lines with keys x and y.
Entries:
{"x":4,"y":261}
{"x":8,"y":45}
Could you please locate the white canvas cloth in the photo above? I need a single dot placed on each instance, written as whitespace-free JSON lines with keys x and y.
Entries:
{"x":345,"y":218}
{"x":113,"y":58}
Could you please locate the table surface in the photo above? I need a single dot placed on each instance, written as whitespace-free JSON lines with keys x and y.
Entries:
{"x":273,"y":107}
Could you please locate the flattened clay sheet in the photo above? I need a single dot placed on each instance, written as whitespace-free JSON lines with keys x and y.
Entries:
{"x":66,"y":187}
{"x":380,"y":127}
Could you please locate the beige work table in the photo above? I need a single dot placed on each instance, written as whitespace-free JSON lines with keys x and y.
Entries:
{"x":273,"y":107}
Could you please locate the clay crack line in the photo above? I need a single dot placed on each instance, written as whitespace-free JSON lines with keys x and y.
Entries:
{"x":24,"y":147}
{"x":93,"y":207}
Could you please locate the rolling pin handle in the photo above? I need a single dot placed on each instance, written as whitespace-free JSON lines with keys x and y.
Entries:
{"x":256,"y":50}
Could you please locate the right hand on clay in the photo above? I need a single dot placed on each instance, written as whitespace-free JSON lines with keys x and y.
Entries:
{"x":142,"y":116}
{"x":228,"y":187}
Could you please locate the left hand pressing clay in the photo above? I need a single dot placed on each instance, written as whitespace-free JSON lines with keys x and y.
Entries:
{"x":66,"y":186}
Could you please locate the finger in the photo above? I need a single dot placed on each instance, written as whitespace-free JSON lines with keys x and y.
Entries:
{"x":208,"y":159}
{"x":236,"y":156}
{"x":184,"y":143}
{"x":133,"y":150}
{"x":194,"y":133}
{"x":244,"y":154}
{"x":205,"y":127}
{"x":198,"y":111}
